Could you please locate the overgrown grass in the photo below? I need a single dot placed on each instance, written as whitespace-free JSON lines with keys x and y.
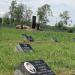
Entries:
{"x":59,"y":56}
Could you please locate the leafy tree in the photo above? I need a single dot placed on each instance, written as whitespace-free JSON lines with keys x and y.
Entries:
{"x":65,"y":17}
{"x":6,"y":20}
{"x":12,"y":10}
{"x":19,"y":13}
{"x":43,"y":13}
{"x":27,"y":16}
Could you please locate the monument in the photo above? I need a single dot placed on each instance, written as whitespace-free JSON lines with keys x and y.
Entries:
{"x":22,"y":47}
{"x":73,"y":39}
{"x":33,"y":22}
{"x":29,"y":38}
{"x":36,"y":67}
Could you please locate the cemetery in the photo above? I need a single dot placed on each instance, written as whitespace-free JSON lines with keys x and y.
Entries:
{"x":29,"y":46}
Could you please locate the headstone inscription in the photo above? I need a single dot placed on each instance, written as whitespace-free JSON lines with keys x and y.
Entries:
{"x":24,"y":47}
{"x":29,"y":38}
{"x":36,"y":67}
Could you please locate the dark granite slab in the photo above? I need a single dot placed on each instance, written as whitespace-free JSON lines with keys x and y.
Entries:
{"x":24,"y":47}
{"x":39,"y":68}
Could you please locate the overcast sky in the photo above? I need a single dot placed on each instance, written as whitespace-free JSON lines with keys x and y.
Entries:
{"x":57,"y":6}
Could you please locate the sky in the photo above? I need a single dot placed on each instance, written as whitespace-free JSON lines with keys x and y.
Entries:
{"x":57,"y":6}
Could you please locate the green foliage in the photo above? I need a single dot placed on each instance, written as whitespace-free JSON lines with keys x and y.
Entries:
{"x":6,"y":20}
{"x":65,"y":17}
{"x":70,"y":30}
{"x":27,"y":14}
{"x":59,"y":25}
{"x":12,"y":10}
{"x":43,"y":13}
{"x":20,"y":13}
{"x":27,"y":22}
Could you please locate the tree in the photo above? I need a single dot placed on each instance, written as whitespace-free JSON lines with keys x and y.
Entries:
{"x":12,"y":10}
{"x":43,"y":13}
{"x":65,"y":17}
{"x":5,"y":19}
{"x":19,"y":13}
{"x":27,"y":15}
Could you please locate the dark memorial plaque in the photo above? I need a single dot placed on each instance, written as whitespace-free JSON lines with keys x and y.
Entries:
{"x":29,"y":38}
{"x":24,"y":47}
{"x":37,"y":67}
{"x":33,"y":22}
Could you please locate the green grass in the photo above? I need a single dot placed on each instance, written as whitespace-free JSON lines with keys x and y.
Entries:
{"x":59,"y":56}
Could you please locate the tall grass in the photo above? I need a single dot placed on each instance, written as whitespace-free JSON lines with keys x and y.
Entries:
{"x":59,"y":56}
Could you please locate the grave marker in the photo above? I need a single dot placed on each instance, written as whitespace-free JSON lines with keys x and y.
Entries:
{"x":73,"y":39}
{"x":54,"y":39}
{"x":29,"y":38}
{"x":33,"y":22}
{"x":36,"y":67}
{"x":22,"y":47}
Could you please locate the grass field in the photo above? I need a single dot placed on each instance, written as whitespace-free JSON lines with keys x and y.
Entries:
{"x":59,"y":56}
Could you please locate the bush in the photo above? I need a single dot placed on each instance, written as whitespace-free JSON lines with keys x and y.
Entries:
{"x":5,"y":21}
{"x":70,"y":30}
{"x":59,"y":25}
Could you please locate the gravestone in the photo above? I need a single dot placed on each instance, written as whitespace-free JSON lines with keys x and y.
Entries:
{"x":29,"y":38}
{"x":36,"y":67}
{"x":22,"y":47}
{"x":54,"y":39}
{"x":33,"y":22}
{"x":73,"y":39}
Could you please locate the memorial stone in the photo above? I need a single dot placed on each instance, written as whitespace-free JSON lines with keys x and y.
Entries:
{"x":29,"y":38}
{"x":36,"y":67}
{"x":24,"y":47}
{"x":33,"y":22}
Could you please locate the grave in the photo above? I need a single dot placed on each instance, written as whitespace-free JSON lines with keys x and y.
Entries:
{"x":29,"y":38}
{"x":36,"y":67}
{"x":73,"y":39}
{"x":22,"y":47}
{"x":54,"y":39}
